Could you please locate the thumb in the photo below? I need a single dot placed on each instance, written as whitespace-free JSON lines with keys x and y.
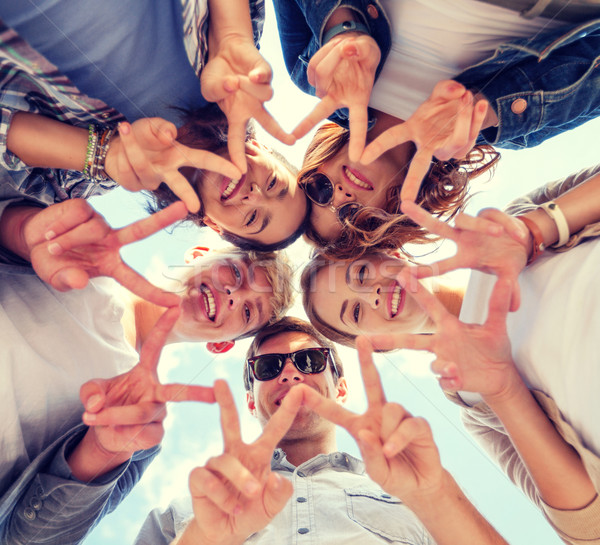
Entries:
{"x":278,"y":491}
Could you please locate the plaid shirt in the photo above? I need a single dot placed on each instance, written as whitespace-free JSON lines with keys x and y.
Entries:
{"x":30,"y":83}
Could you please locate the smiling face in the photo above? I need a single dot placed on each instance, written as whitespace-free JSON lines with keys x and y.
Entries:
{"x":266,"y":396}
{"x":364,"y":297}
{"x":265,"y":205}
{"x":353,"y":182}
{"x":224,"y":298}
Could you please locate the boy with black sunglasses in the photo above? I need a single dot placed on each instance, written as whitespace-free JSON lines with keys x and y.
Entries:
{"x":291,"y":484}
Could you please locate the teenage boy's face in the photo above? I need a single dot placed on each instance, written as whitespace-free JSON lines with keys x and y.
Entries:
{"x":265,"y":205}
{"x":224,"y":297}
{"x":266,"y":396}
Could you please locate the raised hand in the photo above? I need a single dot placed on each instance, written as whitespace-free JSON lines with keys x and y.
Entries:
{"x":125,"y":413}
{"x":397,"y":448}
{"x":471,"y":357}
{"x":235,"y":494}
{"x":445,"y":125}
{"x":69,"y":243}
{"x":492,"y":243}
{"x":238,"y":78}
{"x":342,"y":73}
{"x":145,"y":154}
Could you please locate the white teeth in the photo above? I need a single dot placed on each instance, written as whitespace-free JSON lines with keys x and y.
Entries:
{"x":229,"y":189}
{"x":396,"y":299}
{"x":356,"y":180}
{"x":209,"y":302}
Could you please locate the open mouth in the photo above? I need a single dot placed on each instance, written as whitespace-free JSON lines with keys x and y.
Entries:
{"x":357,"y":179}
{"x":210,"y":306}
{"x":396,"y":300}
{"x":231,"y":188}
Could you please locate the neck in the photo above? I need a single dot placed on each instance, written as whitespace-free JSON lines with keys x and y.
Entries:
{"x":301,"y":450}
{"x":138,"y":320}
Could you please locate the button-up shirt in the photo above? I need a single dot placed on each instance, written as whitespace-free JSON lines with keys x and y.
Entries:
{"x":334,"y":501}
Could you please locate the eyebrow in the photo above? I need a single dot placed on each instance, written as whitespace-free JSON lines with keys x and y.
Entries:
{"x":344,"y":305}
{"x":283,"y":193}
{"x":259,"y":306}
{"x":265,"y":222}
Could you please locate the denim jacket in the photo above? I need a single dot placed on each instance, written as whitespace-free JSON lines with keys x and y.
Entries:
{"x":538,"y":87}
{"x":47,"y":505}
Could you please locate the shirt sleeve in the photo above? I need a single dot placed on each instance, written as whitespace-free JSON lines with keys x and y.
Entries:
{"x":577,"y":526}
{"x":161,"y":527}
{"x":47,"y":505}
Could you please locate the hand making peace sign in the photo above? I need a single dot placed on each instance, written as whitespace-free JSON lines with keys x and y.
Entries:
{"x":236,"y":494}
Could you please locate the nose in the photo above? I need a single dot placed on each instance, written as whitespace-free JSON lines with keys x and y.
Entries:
{"x":374,"y":297}
{"x":290,"y":374}
{"x":233,"y":297}
{"x":342,"y":195}
{"x":254,"y":193}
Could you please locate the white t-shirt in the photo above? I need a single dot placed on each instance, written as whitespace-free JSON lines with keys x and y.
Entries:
{"x":51,"y":343}
{"x":434,"y":40}
{"x":555,"y":334}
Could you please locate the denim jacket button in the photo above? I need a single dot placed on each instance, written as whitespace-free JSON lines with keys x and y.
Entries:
{"x":518,"y":106}
{"x":29,"y":513}
{"x":36,"y":503}
{"x":372,"y":11}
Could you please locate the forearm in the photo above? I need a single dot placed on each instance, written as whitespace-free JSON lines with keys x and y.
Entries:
{"x":229,"y":18}
{"x":89,"y":460}
{"x":12,"y":229}
{"x":44,"y":142}
{"x":580,"y":206}
{"x":451,"y":518}
{"x":193,"y":536}
{"x":554,"y":466}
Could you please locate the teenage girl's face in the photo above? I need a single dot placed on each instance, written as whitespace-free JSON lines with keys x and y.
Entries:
{"x":265,"y":205}
{"x":364,"y":297}
{"x":354,"y":182}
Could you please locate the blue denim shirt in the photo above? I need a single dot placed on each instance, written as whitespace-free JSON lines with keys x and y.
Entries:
{"x":47,"y":505}
{"x":538,"y":87}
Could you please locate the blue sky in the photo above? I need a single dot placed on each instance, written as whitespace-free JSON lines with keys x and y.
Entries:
{"x":192,"y":431}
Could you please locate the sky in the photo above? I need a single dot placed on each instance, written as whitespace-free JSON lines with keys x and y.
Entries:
{"x":192,"y":430}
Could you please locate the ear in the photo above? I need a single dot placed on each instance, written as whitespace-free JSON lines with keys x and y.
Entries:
{"x":191,"y":254}
{"x":341,"y":391}
{"x":210,"y":223}
{"x":397,"y":254}
{"x":250,"y":403}
{"x":253,"y":145}
{"x":220,"y":347}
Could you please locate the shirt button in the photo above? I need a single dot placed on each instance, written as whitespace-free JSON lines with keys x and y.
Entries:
{"x":29,"y":513}
{"x":518,"y":106}
{"x":300,"y":474}
{"x":40,"y":491}
{"x":300,"y":499}
{"x":386,"y":496}
{"x":372,"y":11}
{"x":303,"y":530}
{"x":36,"y":503}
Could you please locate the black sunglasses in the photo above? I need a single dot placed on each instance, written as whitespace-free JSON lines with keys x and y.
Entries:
{"x":320,"y":191}
{"x":308,"y":361}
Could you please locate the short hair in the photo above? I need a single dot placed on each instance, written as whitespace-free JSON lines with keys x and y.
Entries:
{"x":307,"y":283}
{"x":206,"y":129}
{"x":286,"y":325}
{"x":279,"y":275}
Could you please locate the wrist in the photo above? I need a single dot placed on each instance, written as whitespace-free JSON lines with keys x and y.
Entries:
{"x":193,"y":535}
{"x":89,"y":459}
{"x":513,"y":389}
{"x":13,"y":225}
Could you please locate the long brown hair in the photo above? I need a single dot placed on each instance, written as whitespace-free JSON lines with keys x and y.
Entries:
{"x":442,"y":193}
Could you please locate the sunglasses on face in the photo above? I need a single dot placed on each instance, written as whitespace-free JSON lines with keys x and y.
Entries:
{"x":320,"y":191}
{"x":309,"y":361}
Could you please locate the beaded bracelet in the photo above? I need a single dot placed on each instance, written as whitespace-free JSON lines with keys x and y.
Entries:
{"x":95,"y":158}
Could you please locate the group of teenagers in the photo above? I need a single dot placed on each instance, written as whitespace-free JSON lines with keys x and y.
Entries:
{"x":161,"y":97}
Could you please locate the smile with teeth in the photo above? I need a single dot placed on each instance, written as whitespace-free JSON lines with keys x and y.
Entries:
{"x":356,"y":180}
{"x":209,"y":302}
{"x":395,"y":301}
{"x":230,"y":189}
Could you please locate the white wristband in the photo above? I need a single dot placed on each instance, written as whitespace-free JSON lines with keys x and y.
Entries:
{"x":554,"y":211}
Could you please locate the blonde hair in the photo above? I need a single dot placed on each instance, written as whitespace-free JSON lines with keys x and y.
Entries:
{"x":443,"y":192}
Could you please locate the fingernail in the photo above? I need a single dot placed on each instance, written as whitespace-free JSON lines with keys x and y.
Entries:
{"x":495,"y":229}
{"x":50,"y":235}
{"x":389,"y":449}
{"x":54,"y":248}
{"x":93,"y":401}
{"x":452,"y":87}
{"x":89,"y":418}
{"x":124,"y":128}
